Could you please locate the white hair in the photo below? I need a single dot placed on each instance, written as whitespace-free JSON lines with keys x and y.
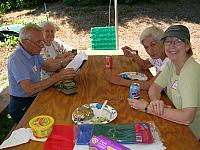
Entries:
{"x":48,"y":23}
{"x":25,"y":32}
{"x":154,"y":32}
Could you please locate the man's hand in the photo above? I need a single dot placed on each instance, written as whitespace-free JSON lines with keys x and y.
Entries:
{"x":66,"y":74}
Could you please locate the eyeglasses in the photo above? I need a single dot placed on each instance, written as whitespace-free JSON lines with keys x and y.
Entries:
{"x":176,"y":42}
{"x":39,"y":43}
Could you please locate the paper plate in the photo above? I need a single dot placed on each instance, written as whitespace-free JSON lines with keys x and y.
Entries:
{"x":133,"y":76}
{"x":32,"y":137}
{"x":108,"y":114}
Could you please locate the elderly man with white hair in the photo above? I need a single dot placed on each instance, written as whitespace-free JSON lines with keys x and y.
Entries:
{"x":24,"y":69}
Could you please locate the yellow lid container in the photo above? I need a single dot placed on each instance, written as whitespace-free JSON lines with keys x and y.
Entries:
{"x":41,"y":126}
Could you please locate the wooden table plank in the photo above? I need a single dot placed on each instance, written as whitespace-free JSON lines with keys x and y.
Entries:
{"x":92,"y":87}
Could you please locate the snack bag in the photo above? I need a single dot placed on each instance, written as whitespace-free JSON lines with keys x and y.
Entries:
{"x":103,"y":143}
{"x":143,"y":133}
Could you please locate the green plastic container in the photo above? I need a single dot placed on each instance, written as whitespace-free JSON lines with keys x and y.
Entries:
{"x":103,"y":38}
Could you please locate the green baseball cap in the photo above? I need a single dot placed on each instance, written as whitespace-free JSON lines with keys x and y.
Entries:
{"x":178,"y":31}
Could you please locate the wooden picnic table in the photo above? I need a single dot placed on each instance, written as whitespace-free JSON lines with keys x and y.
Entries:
{"x":92,"y":87}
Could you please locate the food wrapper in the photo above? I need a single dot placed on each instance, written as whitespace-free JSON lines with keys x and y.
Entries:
{"x":103,"y":143}
{"x":121,"y":133}
{"x":143,"y":133}
{"x":84,"y":134}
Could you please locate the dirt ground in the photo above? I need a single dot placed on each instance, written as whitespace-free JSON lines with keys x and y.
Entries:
{"x":75,"y":23}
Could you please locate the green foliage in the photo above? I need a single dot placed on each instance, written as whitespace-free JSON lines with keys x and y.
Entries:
{"x":104,"y":2}
{"x":86,"y":2}
{"x":10,"y":41}
{"x":28,"y":3}
{"x":4,"y":7}
{"x":7,"y":5}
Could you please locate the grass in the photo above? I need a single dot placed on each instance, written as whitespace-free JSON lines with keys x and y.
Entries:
{"x":5,"y":125}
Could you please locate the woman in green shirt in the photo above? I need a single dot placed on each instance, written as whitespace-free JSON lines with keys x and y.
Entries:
{"x":181,"y":78}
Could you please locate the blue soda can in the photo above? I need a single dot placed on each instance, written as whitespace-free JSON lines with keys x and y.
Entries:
{"x":135,"y":91}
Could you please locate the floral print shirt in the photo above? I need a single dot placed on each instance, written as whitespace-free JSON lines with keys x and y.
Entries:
{"x":56,"y":48}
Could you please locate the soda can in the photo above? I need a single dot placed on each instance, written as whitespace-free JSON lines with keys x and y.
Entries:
{"x":135,"y":91}
{"x":109,"y":62}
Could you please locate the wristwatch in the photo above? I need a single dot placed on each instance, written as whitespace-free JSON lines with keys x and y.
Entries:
{"x":62,"y":64}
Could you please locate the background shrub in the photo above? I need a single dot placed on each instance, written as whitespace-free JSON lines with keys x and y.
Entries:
{"x":7,"y":5}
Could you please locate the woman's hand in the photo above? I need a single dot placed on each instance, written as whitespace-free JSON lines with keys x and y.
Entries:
{"x":127,"y":51}
{"x":138,"y":104}
{"x":69,"y":58}
{"x":65,"y":55}
{"x":157,"y":106}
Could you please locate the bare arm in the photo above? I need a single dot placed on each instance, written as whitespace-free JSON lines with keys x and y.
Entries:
{"x":124,"y":82}
{"x":66,"y":54}
{"x":155,"y":92}
{"x":57,"y":63}
{"x":32,"y":88}
{"x":182,"y":116}
{"x":143,"y":64}
{"x":115,"y":79}
{"x":157,"y":107}
{"x":145,"y":85}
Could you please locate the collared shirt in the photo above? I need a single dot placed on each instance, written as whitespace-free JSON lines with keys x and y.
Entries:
{"x":159,"y":64}
{"x":22,"y":66}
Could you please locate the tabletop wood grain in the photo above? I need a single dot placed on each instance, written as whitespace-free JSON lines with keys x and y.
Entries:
{"x":92,"y":87}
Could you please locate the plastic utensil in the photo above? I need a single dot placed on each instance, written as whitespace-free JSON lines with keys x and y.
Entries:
{"x":101,"y":109}
{"x":104,"y":104}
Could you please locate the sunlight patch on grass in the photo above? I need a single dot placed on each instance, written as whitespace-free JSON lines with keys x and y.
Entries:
{"x":4,"y":80}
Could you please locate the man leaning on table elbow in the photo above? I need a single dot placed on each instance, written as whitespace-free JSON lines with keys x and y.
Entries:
{"x":24,"y":70}
{"x":181,"y":78}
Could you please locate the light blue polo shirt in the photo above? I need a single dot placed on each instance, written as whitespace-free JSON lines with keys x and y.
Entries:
{"x":22,"y":66}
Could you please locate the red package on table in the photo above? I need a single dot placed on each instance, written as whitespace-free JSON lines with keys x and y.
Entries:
{"x":61,"y":138}
{"x":143,"y":133}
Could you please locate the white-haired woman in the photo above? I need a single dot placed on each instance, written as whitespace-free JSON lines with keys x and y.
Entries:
{"x":54,"y":50}
{"x":150,"y":39}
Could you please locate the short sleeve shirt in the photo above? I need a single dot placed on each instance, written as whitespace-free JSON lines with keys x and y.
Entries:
{"x":183,"y":89}
{"x":22,"y":66}
{"x":158,"y":63}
